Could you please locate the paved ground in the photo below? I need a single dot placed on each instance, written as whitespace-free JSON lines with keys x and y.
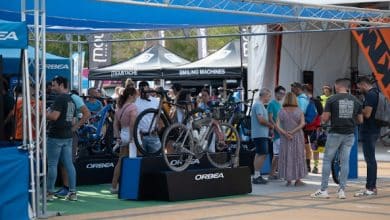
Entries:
{"x":276,"y":201}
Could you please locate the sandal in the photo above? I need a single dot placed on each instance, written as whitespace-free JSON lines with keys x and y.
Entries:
{"x":299,"y":183}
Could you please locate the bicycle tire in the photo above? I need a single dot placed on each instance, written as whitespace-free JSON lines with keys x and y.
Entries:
{"x":175,"y":156}
{"x":150,"y":112}
{"x":335,"y":168}
{"x":225,"y":154}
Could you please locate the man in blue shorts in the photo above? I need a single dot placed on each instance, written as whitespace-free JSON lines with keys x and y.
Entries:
{"x":260,"y":126}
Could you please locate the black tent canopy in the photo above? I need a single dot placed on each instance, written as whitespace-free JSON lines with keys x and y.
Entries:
{"x":147,"y":65}
{"x":226,"y":63}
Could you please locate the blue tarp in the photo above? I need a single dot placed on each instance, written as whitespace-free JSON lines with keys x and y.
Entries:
{"x":13,"y":34}
{"x":78,"y":16}
{"x":55,"y":65}
{"x":14,"y":183}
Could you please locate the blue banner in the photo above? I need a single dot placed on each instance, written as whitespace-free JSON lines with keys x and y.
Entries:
{"x":14,"y":183}
{"x":13,"y":34}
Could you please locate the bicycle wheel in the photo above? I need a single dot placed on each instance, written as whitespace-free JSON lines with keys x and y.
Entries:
{"x":178,"y":145}
{"x":336,"y":168}
{"x":223,"y":147}
{"x":146,"y":122}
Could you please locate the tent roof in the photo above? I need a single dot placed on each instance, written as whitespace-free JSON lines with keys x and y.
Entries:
{"x":147,"y":64}
{"x":119,"y":15}
{"x":15,"y":54}
{"x":229,"y":56}
{"x":224,"y":63}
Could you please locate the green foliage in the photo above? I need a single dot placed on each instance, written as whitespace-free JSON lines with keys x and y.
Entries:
{"x":121,"y":51}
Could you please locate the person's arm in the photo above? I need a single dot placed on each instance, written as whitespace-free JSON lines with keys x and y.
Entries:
{"x":300,"y":126}
{"x":279,"y":129}
{"x":86,"y":114}
{"x":133,"y":116}
{"x":55,"y":110}
{"x":370,"y":102}
{"x":116,"y":126}
{"x":359,"y":116}
{"x":325,"y":117}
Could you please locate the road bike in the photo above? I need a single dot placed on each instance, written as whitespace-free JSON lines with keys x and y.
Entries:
{"x":196,"y":137}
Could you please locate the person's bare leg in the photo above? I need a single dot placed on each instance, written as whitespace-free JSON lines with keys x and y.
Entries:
{"x":274,"y":165}
{"x":124,"y":151}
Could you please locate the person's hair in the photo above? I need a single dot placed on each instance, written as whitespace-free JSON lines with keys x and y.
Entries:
{"x":279,"y":88}
{"x":61,"y":80}
{"x":290,"y":100}
{"x":129,"y":82}
{"x":308,"y":88}
{"x":18,"y":90}
{"x":343,"y":82}
{"x":143,"y":84}
{"x":364,"y":79}
{"x":129,"y":91}
{"x":176,"y":86}
{"x":91,"y":89}
{"x":264,"y":91}
{"x":297,"y":85}
{"x":206,"y":91}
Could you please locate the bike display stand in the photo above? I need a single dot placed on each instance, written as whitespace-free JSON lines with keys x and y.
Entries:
{"x":150,"y":179}
{"x":95,"y":170}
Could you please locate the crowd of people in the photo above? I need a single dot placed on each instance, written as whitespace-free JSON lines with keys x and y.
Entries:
{"x":280,"y":122}
{"x":296,"y":141}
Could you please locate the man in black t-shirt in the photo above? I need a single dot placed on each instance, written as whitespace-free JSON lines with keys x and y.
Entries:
{"x":61,"y":116}
{"x":343,"y":111}
{"x":369,"y":134}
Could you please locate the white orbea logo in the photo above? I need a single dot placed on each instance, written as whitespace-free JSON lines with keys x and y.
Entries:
{"x":5,"y":35}
{"x":57,"y":66}
{"x":209,"y":176}
{"x":99,"y":165}
{"x":179,"y":162}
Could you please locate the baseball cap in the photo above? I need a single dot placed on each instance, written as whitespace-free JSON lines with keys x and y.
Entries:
{"x":297,"y":85}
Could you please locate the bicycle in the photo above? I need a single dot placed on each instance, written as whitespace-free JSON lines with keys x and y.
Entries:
{"x":97,"y":136}
{"x":196,"y":137}
{"x":154,"y":121}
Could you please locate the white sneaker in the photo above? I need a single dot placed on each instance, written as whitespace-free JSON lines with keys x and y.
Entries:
{"x":341,"y":194}
{"x":365,"y":192}
{"x":320,"y":194}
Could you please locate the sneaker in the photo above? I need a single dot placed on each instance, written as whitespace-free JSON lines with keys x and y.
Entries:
{"x":341,"y":194}
{"x":259,"y":180}
{"x":113,"y":190}
{"x":50,"y":197}
{"x":320,"y":194}
{"x":366,"y":192}
{"x":315,"y":170}
{"x":72,"y":196}
{"x":62,"y":192}
{"x":272,"y":177}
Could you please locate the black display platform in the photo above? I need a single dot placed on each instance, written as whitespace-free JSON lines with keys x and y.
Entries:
{"x":149,"y":178}
{"x":90,"y":171}
{"x":199,"y":184}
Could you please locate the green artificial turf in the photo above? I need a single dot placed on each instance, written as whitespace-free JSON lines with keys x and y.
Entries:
{"x":97,"y":198}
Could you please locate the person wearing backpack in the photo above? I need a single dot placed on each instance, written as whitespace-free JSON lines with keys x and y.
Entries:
{"x":313,"y":123}
{"x":303,"y":103}
{"x":369,"y":134}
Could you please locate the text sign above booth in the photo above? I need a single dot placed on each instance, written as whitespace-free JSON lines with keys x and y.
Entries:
{"x":13,"y":34}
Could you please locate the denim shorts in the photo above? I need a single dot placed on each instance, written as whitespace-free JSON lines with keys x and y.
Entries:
{"x":151,"y":143}
{"x":261,"y":145}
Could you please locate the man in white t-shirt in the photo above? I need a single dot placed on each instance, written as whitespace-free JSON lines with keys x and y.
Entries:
{"x":150,"y":139}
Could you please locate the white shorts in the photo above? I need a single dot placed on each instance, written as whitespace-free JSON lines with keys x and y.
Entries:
{"x":276,"y":146}
{"x":125,"y":137}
